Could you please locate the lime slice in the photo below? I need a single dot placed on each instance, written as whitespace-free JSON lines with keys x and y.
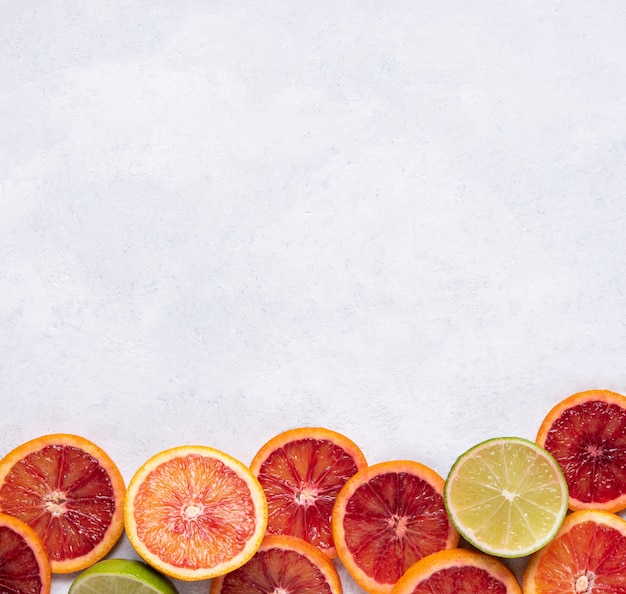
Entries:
{"x":121,"y":576}
{"x":506,"y":496}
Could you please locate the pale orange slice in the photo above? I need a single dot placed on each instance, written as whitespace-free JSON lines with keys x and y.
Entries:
{"x":24,"y":564}
{"x":194,"y":512}
{"x":70,"y":492}
{"x":588,"y":555}
{"x":283,"y":564}
{"x":301,"y":471}
{"x":386,"y":518}
{"x":586,"y":434}
{"x":453,"y":571}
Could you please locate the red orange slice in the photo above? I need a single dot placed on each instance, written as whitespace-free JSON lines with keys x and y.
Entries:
{"x":586,"y":434}
{"x":193,"y":512}
{"x":70,"y":492}
{"x":386,"y":518}
{"x":24,"y":564}
{"x":456,"y":571}
{"x":285,"y":565}
{"x":588,"y":555}
{"x":301,"y":471}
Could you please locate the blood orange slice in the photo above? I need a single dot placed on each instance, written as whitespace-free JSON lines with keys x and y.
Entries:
{"x":587,"y":555}
{"x":386,"y":518}
{"x":454,"y":571}
{"x":586,"y":434}
{"x":301,"y":471}
{"x":283,"y":564}
{"x":193,"y":512}
{"x":70,"y":492}
{"x":24,"y":564}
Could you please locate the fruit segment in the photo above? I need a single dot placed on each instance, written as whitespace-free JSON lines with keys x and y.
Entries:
{"x":458,"y":571}
{"x":283,"y":564}
{"x":194,"y":512}
{"x":70,"y":492}
{"x":506,"y":496}
{"x":387,"y":517}
{"x":24,"y":564}
{"x":587,"y":555}
{"x":302,"y":471}
{"x":586,"y":433}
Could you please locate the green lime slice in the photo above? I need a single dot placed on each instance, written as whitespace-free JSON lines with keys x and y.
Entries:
{"x":506,"y":496}
{"x":121,"y":576}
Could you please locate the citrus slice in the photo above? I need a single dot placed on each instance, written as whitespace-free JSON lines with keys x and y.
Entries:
{"x":586,"y":433}
{"x":121,"y":576}
{"x":301,"y":472}
{"x":587,"y":555}
{"x":24,"y":564}
{"x":283,"y":564}
{"x":193,"y":512}
{"x":458,"y":570}
{"x":387,"y":517}
{"x":506,"y":496}
{"x":70,"y":492}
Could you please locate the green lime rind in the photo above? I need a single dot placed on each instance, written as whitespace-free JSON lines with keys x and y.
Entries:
{"x":121,"y":576}
{"x":507,"y":496}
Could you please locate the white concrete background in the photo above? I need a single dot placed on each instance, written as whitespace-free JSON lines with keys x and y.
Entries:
{"x":400,"y":220}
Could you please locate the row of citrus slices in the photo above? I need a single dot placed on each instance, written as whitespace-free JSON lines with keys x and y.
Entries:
{"x":196,"y":513}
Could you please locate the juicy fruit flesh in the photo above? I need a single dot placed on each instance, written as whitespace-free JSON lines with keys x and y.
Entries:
{"x":589,"y":443}
{"x":391,"y":522}
{"x":301,"y":481}
{"x":460,"y":580}
{"x":589,"y":558}
{"x":506,"y":499}
{"x":19,"y":569}
{"x":277,"y":571}
{"x":121,"y":576}
{"x":64,"y":494}
{"x":194,"y":512}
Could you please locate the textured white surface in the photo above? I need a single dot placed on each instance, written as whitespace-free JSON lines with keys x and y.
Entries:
{"x":219,"y":220}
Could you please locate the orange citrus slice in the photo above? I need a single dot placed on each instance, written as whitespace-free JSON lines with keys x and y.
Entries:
{"x":301,"y":471}
{"x":587,"y":555}
{"x":193,"y":512}
{"x":458,"y":570}
{"x":24,"y":564}
{"x":283,"y":564}
{"x":70,"y":492}
{"x":386,"y":518}
{"x":586,"y":434}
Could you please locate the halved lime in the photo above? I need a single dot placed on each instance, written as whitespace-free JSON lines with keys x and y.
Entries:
{"x":121,"y":576}
{"x":506,"y":496}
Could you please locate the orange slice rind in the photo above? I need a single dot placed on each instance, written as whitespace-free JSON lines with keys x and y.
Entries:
{"x":70,"y":492}
{"x":194,"y":512}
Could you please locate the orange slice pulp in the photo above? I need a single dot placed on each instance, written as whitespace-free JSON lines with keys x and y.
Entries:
{"x":587,"y":555}
{"x":24,"y":564}
{"x":386,"y":518}
{"x":194,"y":512}
{"x":285,"y":564}
{"x":586,"y":434}
{"x":301,"y":472}
{"x":70,"y":492}
{"x":458,"y":570}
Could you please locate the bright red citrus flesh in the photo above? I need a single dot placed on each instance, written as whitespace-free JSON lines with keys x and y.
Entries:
{"x":24,"y":564}
{"x":64,"y":494}
{"x":301,"y":481}
{"x":459,"y":580}
{"x":393,"y":521}
{"x":284,"y":564}
{"x":589,"y":443}
{"x":20,"y":572}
